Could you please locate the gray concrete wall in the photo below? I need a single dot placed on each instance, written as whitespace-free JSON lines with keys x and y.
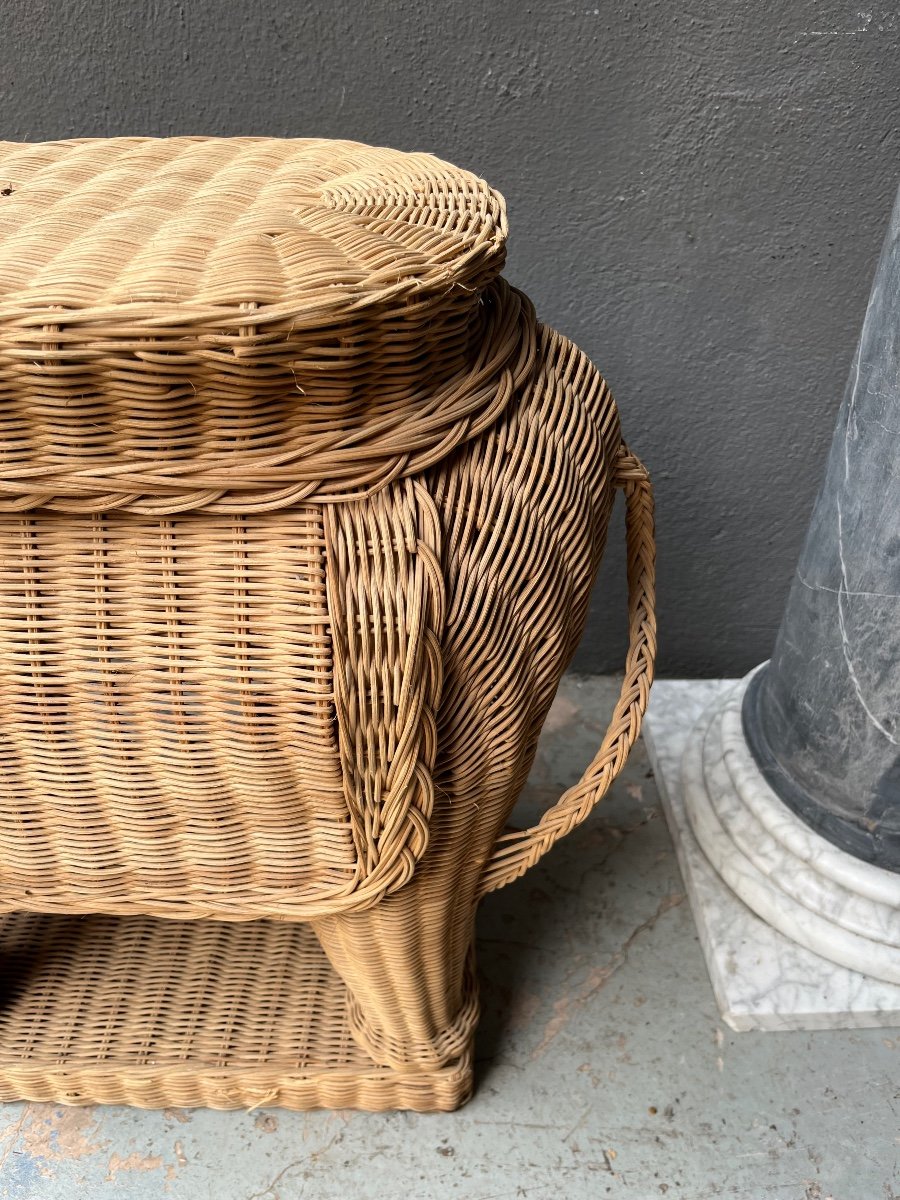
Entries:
{"x":697,"y":191}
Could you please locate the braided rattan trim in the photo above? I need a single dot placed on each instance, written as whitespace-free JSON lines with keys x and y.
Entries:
{"x":386,"y":608}
{"x":331,"y":460}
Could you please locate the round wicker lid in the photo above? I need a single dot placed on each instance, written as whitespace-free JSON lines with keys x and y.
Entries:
{"x":184,"y":317}
{"x":193,"y":230}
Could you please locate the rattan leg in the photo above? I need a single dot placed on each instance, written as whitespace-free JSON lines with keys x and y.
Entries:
{"x":408,"y":966}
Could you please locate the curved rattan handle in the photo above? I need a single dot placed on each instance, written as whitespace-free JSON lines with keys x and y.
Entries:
{"x":516,"y":852}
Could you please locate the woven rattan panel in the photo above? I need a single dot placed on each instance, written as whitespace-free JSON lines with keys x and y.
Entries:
{"x":170,"y":742}
{"x":160,"y":707}
{"x":154,"y":1013}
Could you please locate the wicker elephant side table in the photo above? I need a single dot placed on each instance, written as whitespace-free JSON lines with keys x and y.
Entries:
{"x":300,"y":508}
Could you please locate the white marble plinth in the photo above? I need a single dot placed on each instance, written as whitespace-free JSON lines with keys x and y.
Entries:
{"x":763,"y":979}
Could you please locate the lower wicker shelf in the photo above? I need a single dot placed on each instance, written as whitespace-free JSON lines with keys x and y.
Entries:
{"x":110,"y":1010}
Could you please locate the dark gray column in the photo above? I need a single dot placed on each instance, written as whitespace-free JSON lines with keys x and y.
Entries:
{"x":823,"y":718}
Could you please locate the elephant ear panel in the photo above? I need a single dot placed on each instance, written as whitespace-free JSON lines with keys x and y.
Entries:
{"x":386,"y":607}
{"x":526,"y":508}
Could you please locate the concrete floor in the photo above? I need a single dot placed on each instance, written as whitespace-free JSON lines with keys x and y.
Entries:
{"x":604,"y":1069}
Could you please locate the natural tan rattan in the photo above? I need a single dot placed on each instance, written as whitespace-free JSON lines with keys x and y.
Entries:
{"x":187,"y":317}
{"x":189,"y":1014}
{"x":300,"y":509}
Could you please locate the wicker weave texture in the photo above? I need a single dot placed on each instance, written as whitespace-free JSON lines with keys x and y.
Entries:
{"x":274,"y":654}
{"x":192,"y":730}
{"x":109,"y":1010}
{"x":187,"y":316}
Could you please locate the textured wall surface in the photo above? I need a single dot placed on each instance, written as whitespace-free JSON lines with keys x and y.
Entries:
{"x":697,"y":193}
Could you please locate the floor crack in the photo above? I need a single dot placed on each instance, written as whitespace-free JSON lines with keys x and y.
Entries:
{"x":599,"y":977}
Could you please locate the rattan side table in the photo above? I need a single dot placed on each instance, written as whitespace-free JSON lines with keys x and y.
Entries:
{"x":300,"y":508}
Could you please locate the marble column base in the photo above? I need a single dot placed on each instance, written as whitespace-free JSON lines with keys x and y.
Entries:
{"x":775,"y":970}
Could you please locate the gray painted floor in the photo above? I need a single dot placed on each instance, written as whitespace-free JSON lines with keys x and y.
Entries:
{"x":604,"y":1069}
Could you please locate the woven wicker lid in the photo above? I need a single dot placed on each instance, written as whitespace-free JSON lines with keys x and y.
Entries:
{"x":308,"y":316}
{"x":194,"y":230}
